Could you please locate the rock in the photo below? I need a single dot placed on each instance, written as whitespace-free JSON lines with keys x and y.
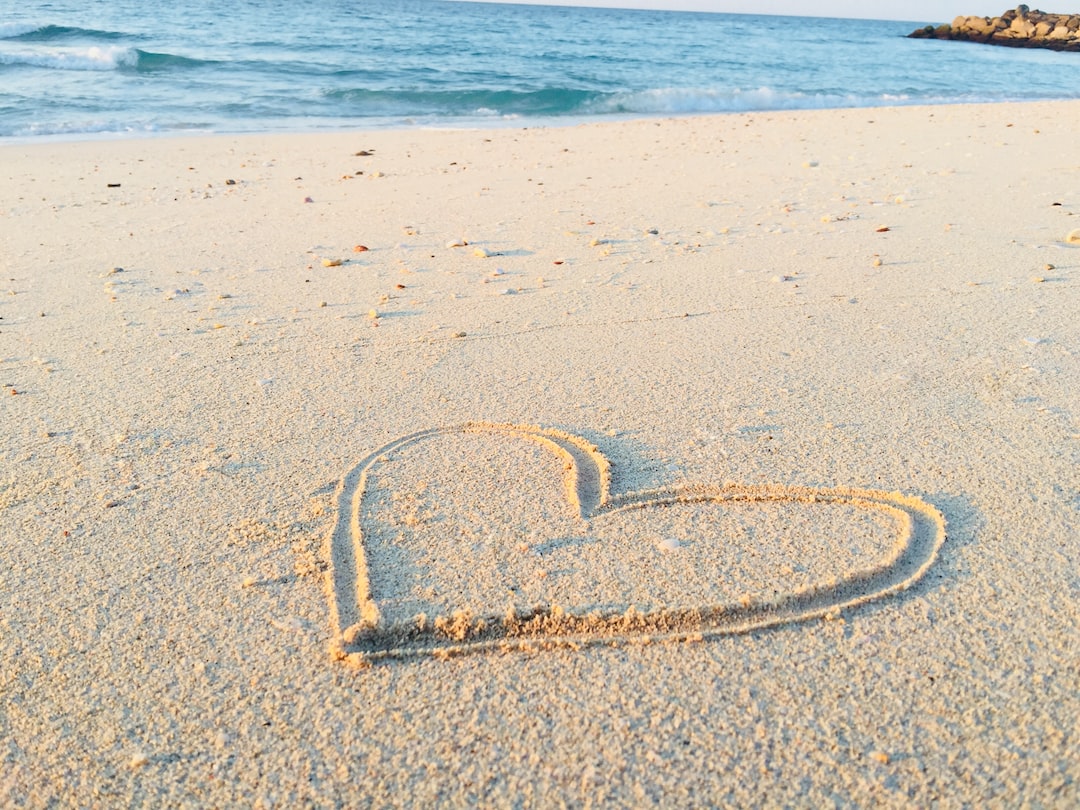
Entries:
{"x":1017,"y":28}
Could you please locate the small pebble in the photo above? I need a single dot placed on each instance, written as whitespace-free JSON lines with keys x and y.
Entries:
{"x":331,"y":262}
{"x":360,"y":248}
{"x":880,"y":757}
{"x":1037,"y":279}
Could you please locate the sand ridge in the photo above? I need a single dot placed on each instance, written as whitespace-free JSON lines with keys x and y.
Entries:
{"x":362,"y":633}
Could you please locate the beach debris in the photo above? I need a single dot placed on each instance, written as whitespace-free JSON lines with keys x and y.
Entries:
{"x":331,"y":262}
{"x":883,"y":229}
{"x":308,"y":200}
{"x":360,"y":248}
{"x":230,"y":182}
{"x":1074,"y":237}
{"x":364,"y":153}
{"x":112,"y":185}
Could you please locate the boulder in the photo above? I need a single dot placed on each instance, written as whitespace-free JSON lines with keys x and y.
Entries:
{"x":1018,"y":28}
{"x":1022,"y":27}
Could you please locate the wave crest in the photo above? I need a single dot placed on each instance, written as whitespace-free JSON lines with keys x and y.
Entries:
{"x":38,"y":32}
{"x":96,"y":57}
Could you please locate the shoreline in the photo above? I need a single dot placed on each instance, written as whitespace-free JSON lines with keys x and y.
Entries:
{"x":202,"y":373}
{"x":480,"y":124}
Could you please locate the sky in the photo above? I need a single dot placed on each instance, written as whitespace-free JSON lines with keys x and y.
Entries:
{"x":916,"y":10}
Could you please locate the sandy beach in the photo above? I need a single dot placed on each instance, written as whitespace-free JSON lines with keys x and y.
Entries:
{"x":723,"y":461}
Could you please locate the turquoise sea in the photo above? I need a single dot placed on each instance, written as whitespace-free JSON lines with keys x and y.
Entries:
{"x":127,"y":67}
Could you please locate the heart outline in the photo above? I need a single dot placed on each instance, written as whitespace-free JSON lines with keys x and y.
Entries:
{"x":361,"y":637}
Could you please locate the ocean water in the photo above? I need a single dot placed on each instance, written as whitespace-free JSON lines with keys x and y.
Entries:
{"x":127,"y":67}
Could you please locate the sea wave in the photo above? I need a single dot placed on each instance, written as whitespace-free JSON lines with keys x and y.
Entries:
{"x":37,"y":32}
{"x":568,"y":102}
{"x":95,"y":57}
{"x":680,"y":101}
{"x":543,"y":101}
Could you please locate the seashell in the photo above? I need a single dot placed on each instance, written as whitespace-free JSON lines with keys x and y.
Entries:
{"x":1074,"y":237}
{"x":331,"y":262}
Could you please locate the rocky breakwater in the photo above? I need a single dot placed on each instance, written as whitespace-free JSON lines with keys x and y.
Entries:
{"x":1019,"y":28}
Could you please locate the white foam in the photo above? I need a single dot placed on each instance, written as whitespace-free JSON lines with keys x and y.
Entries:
{"x":110,"y":57}
{"x":677,"y":100}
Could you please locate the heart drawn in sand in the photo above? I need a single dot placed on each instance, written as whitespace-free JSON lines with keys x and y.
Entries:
{"x":488,"y":536}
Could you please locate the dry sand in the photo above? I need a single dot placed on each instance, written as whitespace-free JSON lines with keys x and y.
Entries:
{"x":208,"y":521}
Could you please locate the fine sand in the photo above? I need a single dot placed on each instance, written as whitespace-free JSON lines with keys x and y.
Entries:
{"x":724,"y":461}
